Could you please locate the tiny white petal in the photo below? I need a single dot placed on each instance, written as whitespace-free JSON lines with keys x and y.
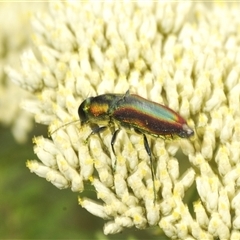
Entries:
{"x":136,"y":213}
{"x":232,"y":79}
{"x":235,"y":201}
{"x":236,"y":222}
{"x":47,"y":158}
{"x":153,"y":215}
{"x":188,"y":178}
{"x":124,"y":221}
{"x":15,"y":76}
{"x":208,"y":144}
{"x":120,"y":185}
{"x":111,"y":228}
{"x":57,"y":179}
{"x":93,"y":207}
{"x":86,"y":162}
{"x":234,"y":151}
{"x":222,"y":159}
{"x":38,"y":168}
{"x":235,"y":235}
{"x":173,"y":168}
{"x":217,"y":228}
{"x":167,"y":206}
{"x":199,"y":233}
{"x":201,"y":214}
{"x":228,"y":125}
{"x":168,"y":228}
{"x":182,"y":230}
{"x":224,"y":208}
{"x":70,"y":174}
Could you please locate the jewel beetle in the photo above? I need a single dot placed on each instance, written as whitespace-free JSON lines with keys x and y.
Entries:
{"x":134,"y":112}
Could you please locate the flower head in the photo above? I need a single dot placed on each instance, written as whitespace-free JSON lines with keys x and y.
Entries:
{"x":182,"y":55}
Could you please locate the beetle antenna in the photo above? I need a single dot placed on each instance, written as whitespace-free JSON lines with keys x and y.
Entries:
{"x":64,"y":125}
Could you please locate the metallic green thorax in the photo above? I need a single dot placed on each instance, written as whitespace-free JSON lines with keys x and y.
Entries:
{"x":96,"y":109}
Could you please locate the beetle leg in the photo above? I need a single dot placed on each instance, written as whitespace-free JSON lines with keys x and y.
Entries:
{"x":96,"y":130}
{"x":148,"y":150}
{"x":114,"y":136}
{"x":146,"y":145}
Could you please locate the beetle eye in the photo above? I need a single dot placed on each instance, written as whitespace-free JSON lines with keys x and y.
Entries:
{"x":81,"y":113}
{"x":83,"y":110}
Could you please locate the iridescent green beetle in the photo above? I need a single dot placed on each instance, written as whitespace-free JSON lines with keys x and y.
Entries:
{"x":132,"y":111}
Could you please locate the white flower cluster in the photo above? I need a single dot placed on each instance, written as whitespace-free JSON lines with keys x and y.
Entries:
{"x":14,"y":32}
{"x":176,"y":53}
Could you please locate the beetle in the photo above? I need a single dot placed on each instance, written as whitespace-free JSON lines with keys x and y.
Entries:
{"x":133,"y":112}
